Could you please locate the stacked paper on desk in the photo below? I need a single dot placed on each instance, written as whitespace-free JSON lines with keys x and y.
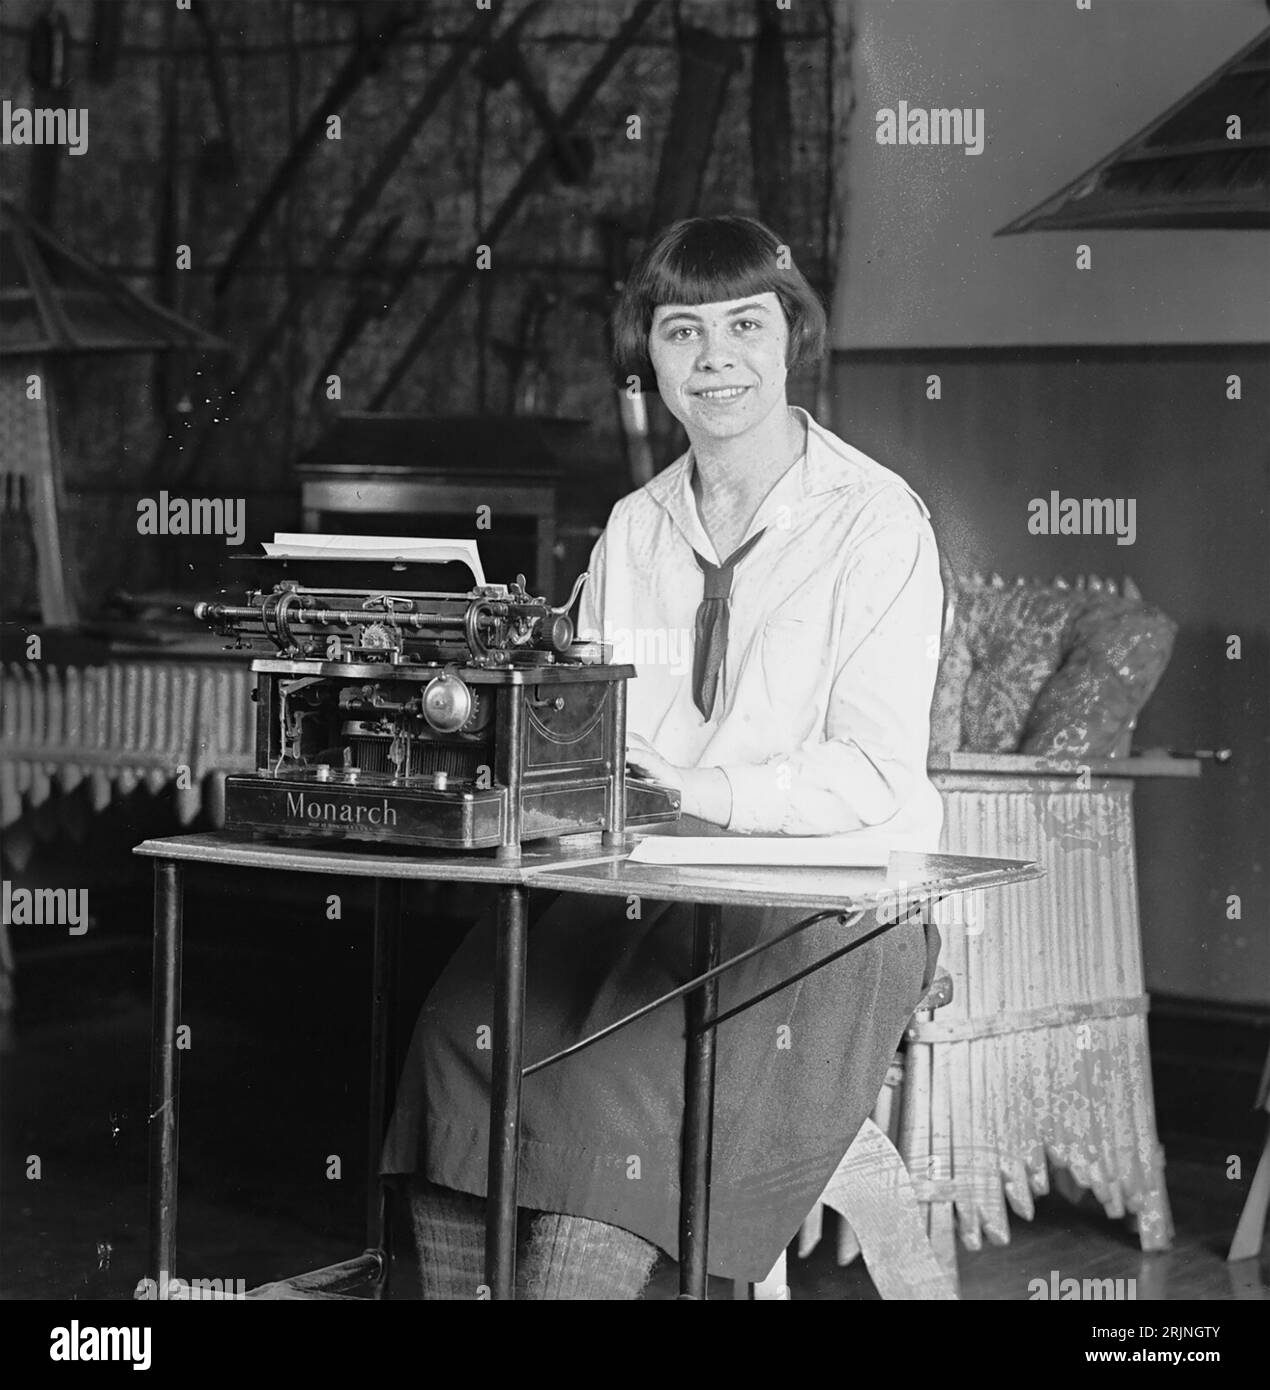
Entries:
{"x":744,"y":851}
{"x":427,"y":550}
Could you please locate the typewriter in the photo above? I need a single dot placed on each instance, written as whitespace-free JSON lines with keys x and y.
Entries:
{"x":465,"y":721}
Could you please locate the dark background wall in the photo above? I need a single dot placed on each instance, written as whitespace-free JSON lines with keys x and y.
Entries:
{"x":163,"y":168}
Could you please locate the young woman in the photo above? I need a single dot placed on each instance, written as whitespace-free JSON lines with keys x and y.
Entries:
{"x":780,"y":594}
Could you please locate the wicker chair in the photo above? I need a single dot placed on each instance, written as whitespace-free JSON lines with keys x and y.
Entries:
{"x":1037,"y":1065}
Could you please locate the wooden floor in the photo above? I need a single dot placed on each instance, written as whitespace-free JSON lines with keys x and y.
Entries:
{"x":1083,"y":1243}
{"x":274,"y":1086}
{"x":71,"y":1095}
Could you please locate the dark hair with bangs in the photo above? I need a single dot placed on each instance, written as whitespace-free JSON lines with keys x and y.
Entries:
{"x":704,"y":260}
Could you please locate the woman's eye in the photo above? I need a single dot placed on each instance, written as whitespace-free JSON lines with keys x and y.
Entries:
{"x":680,"y":334}
{"x":748,"y":323}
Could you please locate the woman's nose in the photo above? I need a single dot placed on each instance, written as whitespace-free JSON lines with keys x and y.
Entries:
{"x":716,"y":352}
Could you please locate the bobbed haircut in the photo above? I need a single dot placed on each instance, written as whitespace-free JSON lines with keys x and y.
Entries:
{"x":704,"y":260}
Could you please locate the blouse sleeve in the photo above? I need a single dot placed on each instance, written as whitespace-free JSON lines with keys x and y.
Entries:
{"x":888,"y":600}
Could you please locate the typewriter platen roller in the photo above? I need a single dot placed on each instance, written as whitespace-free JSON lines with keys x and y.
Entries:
{"x":445,"y":720}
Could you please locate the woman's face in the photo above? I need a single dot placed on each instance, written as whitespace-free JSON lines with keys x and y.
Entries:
{"x":720,"y":367}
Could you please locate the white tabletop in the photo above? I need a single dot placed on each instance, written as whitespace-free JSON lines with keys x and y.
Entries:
{"x":582,"y":864}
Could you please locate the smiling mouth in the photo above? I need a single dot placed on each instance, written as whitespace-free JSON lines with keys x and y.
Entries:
{"x":721,"y":393}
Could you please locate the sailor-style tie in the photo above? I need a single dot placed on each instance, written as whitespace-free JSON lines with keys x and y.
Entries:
{"x":712,"y":626}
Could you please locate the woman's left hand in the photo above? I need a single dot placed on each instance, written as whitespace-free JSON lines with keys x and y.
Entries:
{"x":641,"y":754}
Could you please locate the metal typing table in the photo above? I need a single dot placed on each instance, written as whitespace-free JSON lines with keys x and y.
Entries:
{"x":578,"y":864}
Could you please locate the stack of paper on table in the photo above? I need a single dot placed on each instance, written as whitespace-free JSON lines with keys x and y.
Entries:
{"x":781,"y":851}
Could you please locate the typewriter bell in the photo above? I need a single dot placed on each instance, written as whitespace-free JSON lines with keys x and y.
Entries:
{"x":447,"y":703}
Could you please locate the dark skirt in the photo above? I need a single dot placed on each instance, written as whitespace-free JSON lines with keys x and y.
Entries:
{"x":601,"y":1131}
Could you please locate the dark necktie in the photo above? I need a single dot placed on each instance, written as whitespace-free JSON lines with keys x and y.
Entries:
{"x":712,"y":626}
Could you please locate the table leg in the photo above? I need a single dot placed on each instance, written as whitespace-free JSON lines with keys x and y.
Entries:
{"x":615,"y":753}
{"x":504,"y":1119}
{"x":165,"y":1071}
{"x":694,"y":1178}
{"x":387,"y":932}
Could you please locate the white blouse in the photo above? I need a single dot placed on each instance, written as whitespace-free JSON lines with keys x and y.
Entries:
{"x":822,"y":720}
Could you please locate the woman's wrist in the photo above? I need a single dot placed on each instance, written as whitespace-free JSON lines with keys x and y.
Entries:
{"x":706,"y":794}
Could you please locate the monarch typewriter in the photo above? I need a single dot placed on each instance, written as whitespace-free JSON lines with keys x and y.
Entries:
{"x":443,"y":720}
